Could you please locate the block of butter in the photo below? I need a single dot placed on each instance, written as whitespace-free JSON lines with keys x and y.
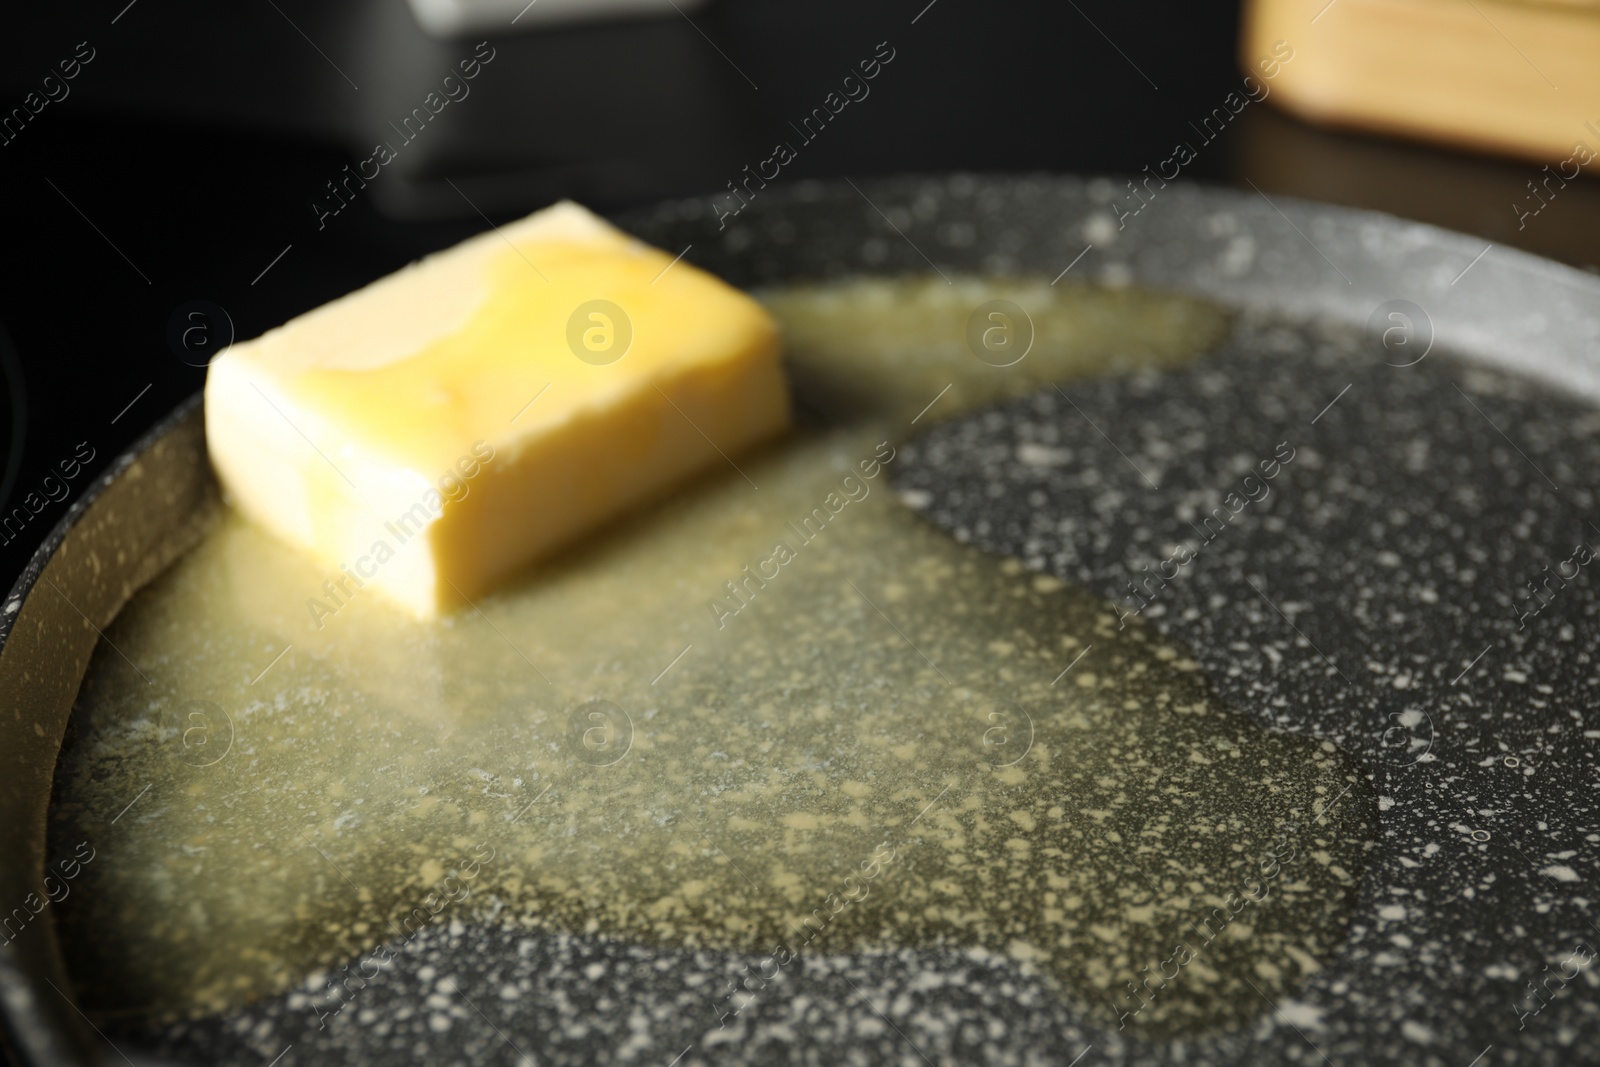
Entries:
{"x":432,"y":433}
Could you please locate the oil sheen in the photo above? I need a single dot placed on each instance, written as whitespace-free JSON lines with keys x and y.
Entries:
{"x":778,"y":714}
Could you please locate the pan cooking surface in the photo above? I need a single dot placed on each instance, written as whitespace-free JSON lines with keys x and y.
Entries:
{"x":1360,"y":596}
{"x":1377,"y":595}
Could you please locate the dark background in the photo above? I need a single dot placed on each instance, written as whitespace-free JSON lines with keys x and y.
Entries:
{"x":191,"y":147}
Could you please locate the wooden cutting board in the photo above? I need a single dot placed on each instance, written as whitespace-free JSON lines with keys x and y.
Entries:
{"x":1518,"y":78}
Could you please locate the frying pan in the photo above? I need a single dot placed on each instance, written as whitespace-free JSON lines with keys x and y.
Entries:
{"x":1297,"y":262}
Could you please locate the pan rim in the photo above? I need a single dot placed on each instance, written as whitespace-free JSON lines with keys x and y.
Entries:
{"x":20,"y":993}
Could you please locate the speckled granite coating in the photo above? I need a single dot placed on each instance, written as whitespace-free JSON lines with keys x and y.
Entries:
{"x":1367,"y":598}
{"x":476,"y":995}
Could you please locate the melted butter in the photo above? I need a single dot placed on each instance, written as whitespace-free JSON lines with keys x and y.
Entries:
{"x":885,"y":739}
